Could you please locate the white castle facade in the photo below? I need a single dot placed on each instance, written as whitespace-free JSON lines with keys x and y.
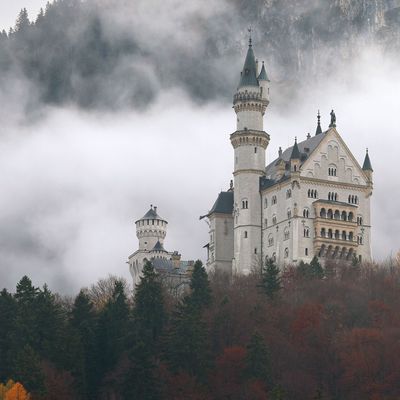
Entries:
{"x":312,"y":200}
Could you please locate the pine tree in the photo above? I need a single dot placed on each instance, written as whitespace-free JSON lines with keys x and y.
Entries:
{"x":22,"y":23}
{"x":258,"y":359}
{"x":200,"y":295}
{"x":83,"y":321}
{"x":112,"y":329}
{"x":316,"y":268}
{"x":149,"y":313}
{"x":271,"y":281}
{"x":27,"y":369}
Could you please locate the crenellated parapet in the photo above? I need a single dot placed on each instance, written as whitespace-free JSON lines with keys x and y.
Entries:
{"x":249,"y":137}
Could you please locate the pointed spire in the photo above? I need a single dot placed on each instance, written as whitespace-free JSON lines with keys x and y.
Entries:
{"x":263,"y":74}
{"x":367,"y":163}
{"x":319,"y":130}
{"x":249,"y":73}
{"x":295,"y":152}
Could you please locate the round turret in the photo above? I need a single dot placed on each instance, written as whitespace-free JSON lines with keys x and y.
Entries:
{"x":151,"y":229}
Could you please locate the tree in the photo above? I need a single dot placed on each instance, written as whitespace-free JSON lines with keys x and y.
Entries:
{"x":148,"y":313}
{"x":23,"y":22}
{"x":200,"y":295}
{"x":271,"y":281}
{"x":7,"y":315}
{"x":84,"y":321}
{"x":27,"y":369}
{"x":258,"y":363}
{"x":316,"y":269}
{"x":17,"y":392}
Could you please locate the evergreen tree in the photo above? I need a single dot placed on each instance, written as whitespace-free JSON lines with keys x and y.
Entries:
{"x":23,"y":23}
{"x":149,"y":312}
{"x":200,"y":295}
{"x":7,"y":314}
{"x":28,"y":371}
{"x":140,"y":380}
{"x":258,"y":359}
{"x":316,"y":269}
{"x":112,"y":329}
{"x":83,"y":320}
{"x":271,"y":281}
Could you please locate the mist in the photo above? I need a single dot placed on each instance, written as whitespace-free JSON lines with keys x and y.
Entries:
{"x":75,"y":178}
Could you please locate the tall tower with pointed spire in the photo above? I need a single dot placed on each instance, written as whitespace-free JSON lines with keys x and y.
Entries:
{"x":249,"y":142}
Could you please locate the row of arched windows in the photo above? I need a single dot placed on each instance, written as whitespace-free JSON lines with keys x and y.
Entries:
{"x":312,"y":193}
{"x":330,"y":214}
{"x":353,"y":199}
{"x":330,"y":234}
{"x":253,"y":140}
{"x":306,"y":213}
{"x":333,"y":196}
{"x":332,"y":171}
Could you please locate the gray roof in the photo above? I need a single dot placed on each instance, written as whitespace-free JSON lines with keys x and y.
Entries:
{"x":151,"y":214}
{"x":158,"y":247}
{"x":249,"y":74}
{"x":263,"y":74}
{"x":305,"y":148}
{"x":223,"y":204}
{"x":367,"y":163}
{"x":162,"y":265}
{"x":295,"y":152}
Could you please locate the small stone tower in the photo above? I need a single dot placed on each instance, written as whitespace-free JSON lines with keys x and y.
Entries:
{"x":249,"y":142}
{"x":151,"y":230}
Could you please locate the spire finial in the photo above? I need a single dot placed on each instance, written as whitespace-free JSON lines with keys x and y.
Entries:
{"x":151,"y":206}
{"x":319,"y":130}
{"x":250,"y":30}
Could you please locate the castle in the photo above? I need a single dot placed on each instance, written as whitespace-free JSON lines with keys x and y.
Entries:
{"x":151,"y":231}
{"x":312,"y":200}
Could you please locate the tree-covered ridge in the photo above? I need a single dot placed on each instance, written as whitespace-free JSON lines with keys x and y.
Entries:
{"x":305,"y":332}
{"x":110,"y":54}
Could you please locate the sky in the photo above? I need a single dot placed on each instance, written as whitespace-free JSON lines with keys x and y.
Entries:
{"x":74,"y":182}
{"x":9,"y":10}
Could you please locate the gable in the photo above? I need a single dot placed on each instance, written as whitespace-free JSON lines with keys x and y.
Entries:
{"x":332,"y":160}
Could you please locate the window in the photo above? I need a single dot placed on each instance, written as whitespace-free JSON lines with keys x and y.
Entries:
{"x":289,"y":193}
{"x":286,"y":252}
{"x":265,"y":222}
{"x":245,"y":204}
{"x":245,"y":234}
{"x":306,"y":232}
{"x":333,"y":196}
{"x":306,"y":251}
{"x":265,"y":203}
{"x":360,"y":240}
{"x":312,"y":193}
{"x":306,"y":213}
{"x":286,"y":233}
{"x":359,"y":220}
{"x":289,"y":213}
{"x":274,"y":220}
{"x":255,"y":250}
{"x":274,"y":200}
{"x":270,"y":240}
{"x":353,"y":199}
{"x":332,"y":171}
{"x":255,"y":150}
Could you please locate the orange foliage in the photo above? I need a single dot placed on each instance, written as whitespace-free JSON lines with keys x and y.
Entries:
{"x":17,"y":392}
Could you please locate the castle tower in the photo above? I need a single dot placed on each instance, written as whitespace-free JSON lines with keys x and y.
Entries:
{"x":151,"y":230}
{"x":249,"y":142}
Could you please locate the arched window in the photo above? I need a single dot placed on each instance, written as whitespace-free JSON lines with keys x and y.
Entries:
{"x":286,"y":253}
{"x":306,"y":213}
{"x":245,"y":234}
{"x":270,"y":240}
{"x":332,"y":170}
{"x":289,"y":193}
{"x":359,"y":220}
{"x":289,"y":213}
{"x":274,"y":200}
{"x":245,"y":204}
{"x":306,"y":232}
{"x":274,"y":219}
{"x":286,"y":234}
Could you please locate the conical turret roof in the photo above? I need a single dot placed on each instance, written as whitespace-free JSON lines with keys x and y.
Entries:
{"x":318,"y":130}
{"x":263,"y":74}
{"x":367,"y":163}
{"x":249,"y":73}
{"x":151,"y":214}
{"x":295,"y":152}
